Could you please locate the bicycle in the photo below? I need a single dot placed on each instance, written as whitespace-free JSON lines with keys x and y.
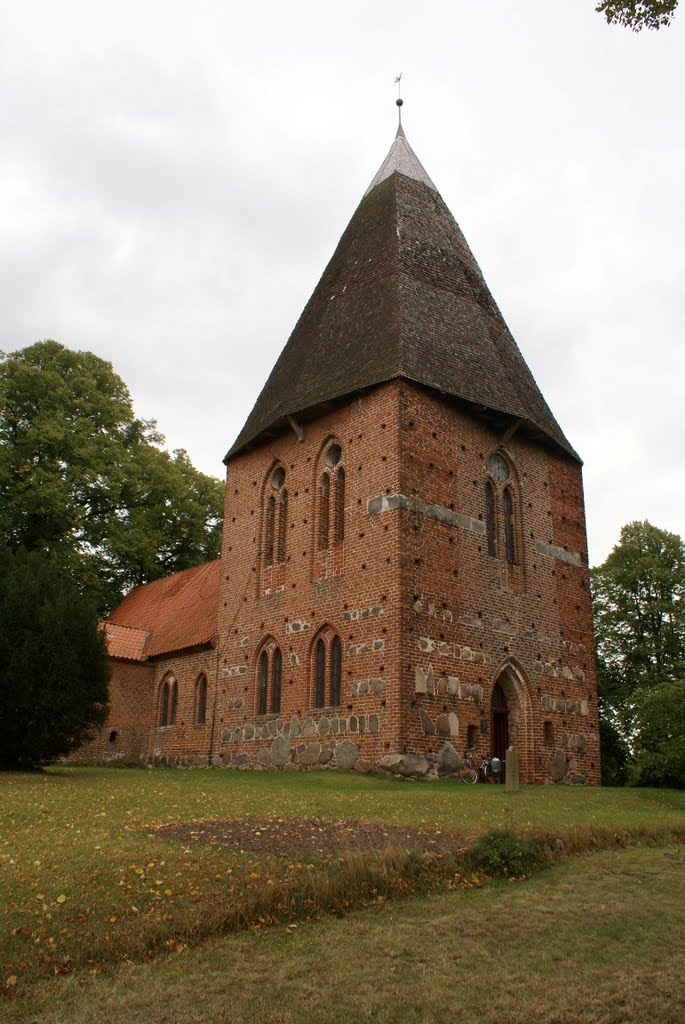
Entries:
{"x":489,"y":769}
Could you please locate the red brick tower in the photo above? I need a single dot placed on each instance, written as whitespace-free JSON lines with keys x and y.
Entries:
{"x":404,"y":569}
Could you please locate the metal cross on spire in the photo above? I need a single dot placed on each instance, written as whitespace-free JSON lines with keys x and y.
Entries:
{"x":399,"y":101}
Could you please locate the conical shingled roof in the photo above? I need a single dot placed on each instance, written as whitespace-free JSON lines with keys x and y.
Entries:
{"x":402,"y":297}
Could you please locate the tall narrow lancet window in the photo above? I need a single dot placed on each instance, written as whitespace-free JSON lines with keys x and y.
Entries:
{"x":276,"y":670}
{"x":320,"y":674}
{"x":490,"y":520}
{"x":263,"y":682}
{"x":275,"y":518}
{"x":509,"y":533}
{"x":282,"y":525}
{"x":168,"y":698}
{"x":327,"y":669}
{"x":269,"y":530}
{"x":339,"y":511}
{"x":336,"y":670}
{"x":201,"y":700}
{"x":269,"y":671}
{"x":324,"y":510}
{"x":331,"y":499}
{"x":500,"y":515}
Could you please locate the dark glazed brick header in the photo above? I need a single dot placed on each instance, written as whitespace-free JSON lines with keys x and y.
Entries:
{"x":402,"y":297}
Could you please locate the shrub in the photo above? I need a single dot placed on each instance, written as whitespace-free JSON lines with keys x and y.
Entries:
{"x":504,"y":854}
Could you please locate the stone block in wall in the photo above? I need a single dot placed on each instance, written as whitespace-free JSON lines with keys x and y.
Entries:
{"x":426,"y":723}
{"x":442,"y":725}
{"x":374,"y":724}
{"x":346,"y":754}
{"x":559,"y":766}
{"x":430,"y":681}
{"x":309,"y":727}
{"x":264,"y":758}
{"x":295,"y":728}
{"x":325,"y":755}
{"x":225,"y":735}
{"x":297,"y":626}
{"x":409,"y":766}
{"x":324,"y":726}
{"x":280,"y":751}
{"x":449,"y":761}
{"x":420,"y":680}
{"x":453,"y":686}
{"x":377,"y":685}
{"x":310,"y":755}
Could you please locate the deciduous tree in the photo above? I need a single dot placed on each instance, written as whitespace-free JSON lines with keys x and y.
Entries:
{"x":638,"y":14}
{"x":83,"y":478}
{"x":660,"y":741}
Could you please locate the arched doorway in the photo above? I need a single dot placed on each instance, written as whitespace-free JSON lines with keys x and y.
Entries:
{"x":511,"y":718}
{"x":499,"y":723}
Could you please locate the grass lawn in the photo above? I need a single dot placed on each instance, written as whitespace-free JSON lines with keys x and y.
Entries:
{"x":84,"y":890}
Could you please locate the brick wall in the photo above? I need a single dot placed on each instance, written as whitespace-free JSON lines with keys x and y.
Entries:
{"x":469,"y":617}
{"x":352,"y":589}
{"x":428,"y":621}
{"x":124,"y":736}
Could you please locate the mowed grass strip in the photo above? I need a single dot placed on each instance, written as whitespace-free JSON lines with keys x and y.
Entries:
{"x":83,"y":886}
{"x":596,"y":940}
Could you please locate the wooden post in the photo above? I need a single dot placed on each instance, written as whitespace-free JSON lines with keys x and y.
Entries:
{"x":511,"y":778}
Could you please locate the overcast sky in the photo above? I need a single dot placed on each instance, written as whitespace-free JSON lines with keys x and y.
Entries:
{"x":175,"y":175}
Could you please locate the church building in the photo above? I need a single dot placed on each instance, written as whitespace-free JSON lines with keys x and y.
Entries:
{"x":404,"y":569}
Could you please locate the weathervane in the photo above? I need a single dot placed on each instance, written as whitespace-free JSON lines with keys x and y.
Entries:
{"x":399,"y":101}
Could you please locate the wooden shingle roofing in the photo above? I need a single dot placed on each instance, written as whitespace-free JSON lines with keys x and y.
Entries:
{"x":402,"y":297}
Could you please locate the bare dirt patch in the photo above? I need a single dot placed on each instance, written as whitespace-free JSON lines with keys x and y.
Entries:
{"x":311,"y":838}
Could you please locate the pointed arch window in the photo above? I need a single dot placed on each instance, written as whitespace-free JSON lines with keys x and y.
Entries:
{"x":490,"y":521}
{"x":168,"y":699}
{"x":276,"y":670}
{"x":320,"y":682}
{"x":331,"y":499}
{"x":327,"y":670}
{"x":508,"y":516}
{"x":263,"y":682}
{"x":201,"y":700}
{"x":275,"y":518}
{"x":269,"y":678}
{"x":500,"y":510}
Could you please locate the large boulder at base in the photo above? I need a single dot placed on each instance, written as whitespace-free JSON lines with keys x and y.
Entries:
{"x":559,"y":766}
{"x":408,"y":766}
{"x":449,"y":761}
{"x":346,"y":754}
{"x":280,"y":751}
{"x":310,"y":755}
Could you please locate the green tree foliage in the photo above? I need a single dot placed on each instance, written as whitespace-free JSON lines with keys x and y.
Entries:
{"x":616,"y":756}
{"x":54,"y":668}
{"x":82,"y":478}
{"x":639,"y":619}
{"x":638,"y":14}
{"x":660,"y":742}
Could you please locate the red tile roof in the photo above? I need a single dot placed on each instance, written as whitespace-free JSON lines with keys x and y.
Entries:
{"x":125,"y":641}
{"x":177,"y":612}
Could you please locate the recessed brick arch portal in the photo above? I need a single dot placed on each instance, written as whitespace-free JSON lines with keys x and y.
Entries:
{"x":511,"y":709}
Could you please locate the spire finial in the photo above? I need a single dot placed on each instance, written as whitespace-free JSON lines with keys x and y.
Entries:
{"x":399,"y":101}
